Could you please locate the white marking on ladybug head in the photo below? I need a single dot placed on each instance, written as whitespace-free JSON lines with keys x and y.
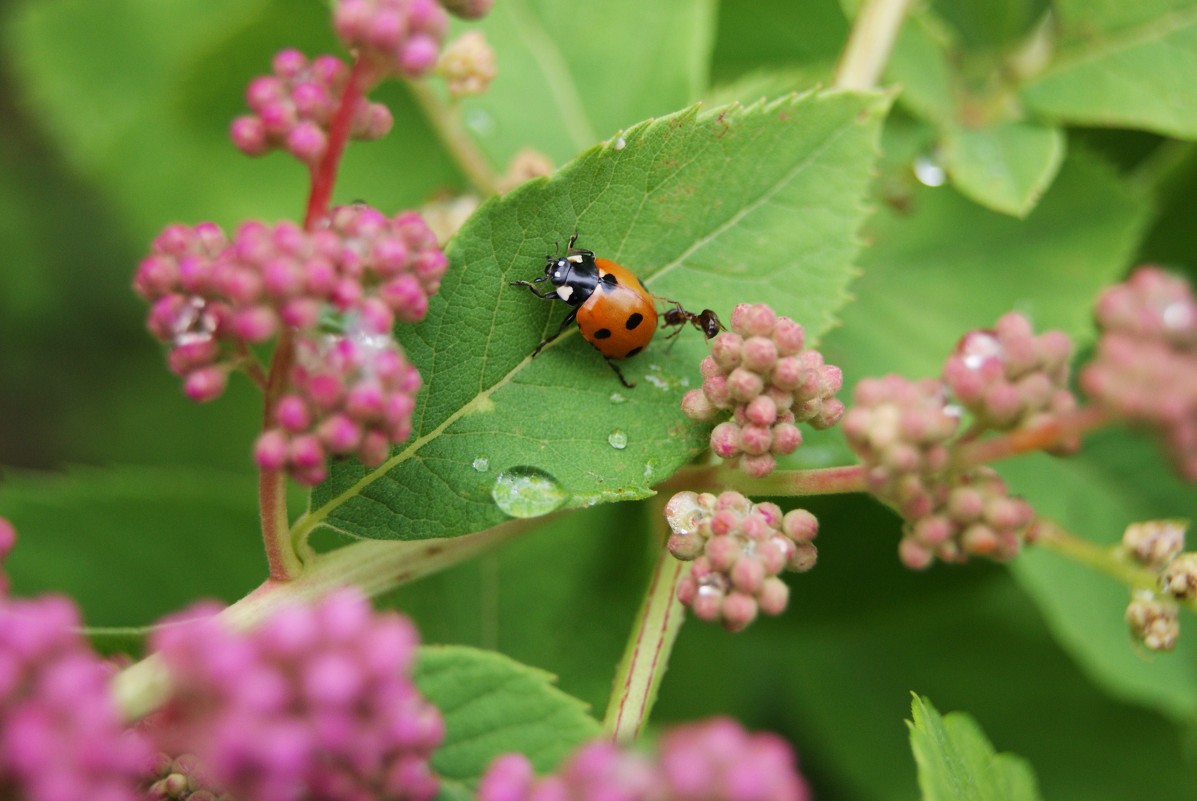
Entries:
{"x":565,"y":291}
{"x":576,"y":258}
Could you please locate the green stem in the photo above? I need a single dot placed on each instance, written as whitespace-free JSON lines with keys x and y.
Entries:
{"x":647,"y":653}
{"x":446,"y":120}
{"x":374,"y":566}
{"x":869,"y":44}
{"x":1102,"y":558}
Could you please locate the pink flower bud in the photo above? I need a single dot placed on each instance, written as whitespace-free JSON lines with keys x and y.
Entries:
{"x":205,"y":384}
{"x":725,"y":440}
{"x":759,"y":354}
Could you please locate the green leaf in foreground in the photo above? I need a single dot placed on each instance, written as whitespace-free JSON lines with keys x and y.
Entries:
{"x":491,"y":706}
{"x":757,"y":204}
{"x":957,"y":763}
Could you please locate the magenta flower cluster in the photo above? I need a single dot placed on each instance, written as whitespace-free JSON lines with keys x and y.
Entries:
{"x":739,"y":550}
{"x":715,"y":760}
{"x":317,"y":703}
{"x":1008,"y":377}
{"x":395,"y":37}
{"x":902,"y":430}
{"x":293,"y":109}
{"x":351,"y":394}
{"x":1145,"y":368}
{"x":61,"y":737}
{"x":761,"y":373}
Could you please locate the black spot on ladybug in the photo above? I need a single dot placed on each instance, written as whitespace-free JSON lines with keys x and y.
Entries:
{"x":609,"y":282}
{"x":602,"y":333}
{"x":633,"y":352}
{"x":633,"y":321}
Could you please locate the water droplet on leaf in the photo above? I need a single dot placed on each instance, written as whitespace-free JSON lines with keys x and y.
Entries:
{"x":618,"y":439}
{"x":481,"y":464}
{"x":527,"y":492}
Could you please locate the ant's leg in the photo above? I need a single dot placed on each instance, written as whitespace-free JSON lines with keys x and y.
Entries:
{"x":619,"y":373}
{"x":569,"y":318}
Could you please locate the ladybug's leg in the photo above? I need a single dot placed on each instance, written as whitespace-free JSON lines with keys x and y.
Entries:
{"x":549,"y":293}
{"x":619,"y":373}
{"x":569,"y":318}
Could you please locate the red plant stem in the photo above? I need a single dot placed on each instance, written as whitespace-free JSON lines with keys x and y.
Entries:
{"x":1038,"y":437}
{"x":324,"y":174}
{"x":281,"y":558}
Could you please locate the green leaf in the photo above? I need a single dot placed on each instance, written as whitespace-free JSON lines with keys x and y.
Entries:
{"x":1005,"y":166}
{"x":131,"y":544}
{"x":940,"y":266}
{"x":1119,"y":478}
{"x":957,"y":763}
{"x":493,"y":705}
{"x":714,"y":208}
{"x":567,"y":77}
{"x":1122,"y":65}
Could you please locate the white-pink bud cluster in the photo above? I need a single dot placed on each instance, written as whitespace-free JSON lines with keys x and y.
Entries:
{"x":761,"y":373}
{"x":738,"y":549}
{"x":1009,"y":377}
{"x":1145,"y":368}
{"x":901,"y":430}
{"x":1154,"y":615}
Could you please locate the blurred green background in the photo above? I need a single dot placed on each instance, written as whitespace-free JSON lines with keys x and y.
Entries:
{"x":112,"y":124}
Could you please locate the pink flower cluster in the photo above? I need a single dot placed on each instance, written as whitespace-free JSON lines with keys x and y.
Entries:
{"x":212,"y":299}
{"x":901,"y":430}
{"x":716,"y":760}
{"x":761,"y":373}
{"x":61,"y":737}
{"x":396,"y":37}
{"x":1009,"y":377}
{"x":739,"y":549}
{"x":351,"y":394}
{"x":315,"y":703}
{"x":1145,"y":368}
{"x":293,"y":109}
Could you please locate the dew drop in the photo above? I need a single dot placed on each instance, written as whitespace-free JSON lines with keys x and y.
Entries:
{"x":527,"y":492}
{"x":620,"y":143}
{"x":617,"y":398}
{"x":618,"y":439}
{"x":480,"y":121}
{"x":481,"y":464}
{"x":929,"y":171}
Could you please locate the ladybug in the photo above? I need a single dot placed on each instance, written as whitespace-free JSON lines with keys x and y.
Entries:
{"x":614,"y":312}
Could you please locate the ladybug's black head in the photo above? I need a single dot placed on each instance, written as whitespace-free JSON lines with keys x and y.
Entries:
{"x":558,"y":269}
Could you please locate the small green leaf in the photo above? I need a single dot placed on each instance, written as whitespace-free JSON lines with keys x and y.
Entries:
{"x":1118,"y":64}
{"x":491,"y":706}
{"x":713,"y":208}
{"x":131,"y":544}
{"x":1005,"y":166}
{"x":957,"y":763}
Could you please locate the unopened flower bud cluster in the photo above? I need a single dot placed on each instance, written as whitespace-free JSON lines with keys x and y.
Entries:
{"x":315,"y":703}
{"x":293,"y":108}
{"x":213,"y":298}
{"x":467,"y":65}
{"x":1008,"y":377}
{"x":761,"y":373}
{"x":1145,"y":367}
{"x":715,"y":760}
{"x":739,"y":550}
{"x":1154,"y":615}
{"x":181,"y":778}
{"x":396,"y":37}
{"x":902,"y":430}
